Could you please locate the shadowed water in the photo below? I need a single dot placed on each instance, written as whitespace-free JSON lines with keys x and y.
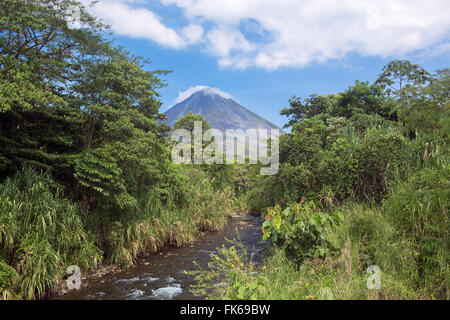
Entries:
{"x":161,"y":276}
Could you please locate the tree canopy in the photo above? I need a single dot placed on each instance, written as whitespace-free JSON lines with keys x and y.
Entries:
{"x":75,"y":104}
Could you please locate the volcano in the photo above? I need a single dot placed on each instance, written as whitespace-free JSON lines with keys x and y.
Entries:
{"x":220,"y":110}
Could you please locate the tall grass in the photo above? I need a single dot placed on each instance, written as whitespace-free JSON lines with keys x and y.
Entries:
{"x":406,"y":237}
{"x":41,"y":233}
{"x":126,"y":236}
{"x":418,"y":210}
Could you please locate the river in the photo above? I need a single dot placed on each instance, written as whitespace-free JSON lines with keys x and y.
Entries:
{"x":161,"y":276}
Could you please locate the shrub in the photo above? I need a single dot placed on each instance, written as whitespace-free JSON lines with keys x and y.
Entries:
{"x":8,"y":282}
{"x":301,"y":230}
{"x":226,"y":275}
{"x":380,"y":155}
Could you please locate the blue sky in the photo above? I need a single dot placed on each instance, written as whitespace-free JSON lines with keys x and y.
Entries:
{"x":263,"y":52}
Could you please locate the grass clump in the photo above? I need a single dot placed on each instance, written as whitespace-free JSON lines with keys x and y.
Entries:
{"x":41,"y":233}
{"x":127,"y":236}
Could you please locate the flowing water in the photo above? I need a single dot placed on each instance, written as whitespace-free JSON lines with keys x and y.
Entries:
{"x":161,"y":276}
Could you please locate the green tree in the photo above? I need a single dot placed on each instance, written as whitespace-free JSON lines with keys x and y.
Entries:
{"x":360,"y":98}
{"x":124,"y":152}
{"x":300,"y":109}
{"x":40,"y":57}
{"x":73,"y":103}
{"x":428,"y":108}
{"x":187,"y":122}
{"x":398,"y":75}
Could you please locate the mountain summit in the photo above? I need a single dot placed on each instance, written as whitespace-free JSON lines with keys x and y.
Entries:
{"x":219,"y":110}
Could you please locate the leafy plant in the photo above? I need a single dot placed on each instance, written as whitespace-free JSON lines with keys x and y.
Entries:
{"x":226,"y":274}
{"x":301,"y":230}
{"x":9,"y":279}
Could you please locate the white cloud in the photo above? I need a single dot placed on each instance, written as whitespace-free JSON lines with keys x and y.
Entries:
{"x":301,"y":31}
{"x":207,"y":90}
{"x":222,"y":41}
{"x":139,"y":22}
{"x":192,"y":33}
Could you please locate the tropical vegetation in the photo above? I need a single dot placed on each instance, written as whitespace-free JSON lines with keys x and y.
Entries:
{"x":86,"y":176}
{"x":363,"y":185}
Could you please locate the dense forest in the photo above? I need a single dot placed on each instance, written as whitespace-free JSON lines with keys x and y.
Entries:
{"x":86,"y":176}
{"x":363,"y":185}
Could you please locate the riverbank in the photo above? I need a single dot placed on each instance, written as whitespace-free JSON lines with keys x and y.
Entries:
{"x":42,"y":232}
{"x":162,"y":275}
{"x":103,"y":271}
{"x":370,"y":257}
